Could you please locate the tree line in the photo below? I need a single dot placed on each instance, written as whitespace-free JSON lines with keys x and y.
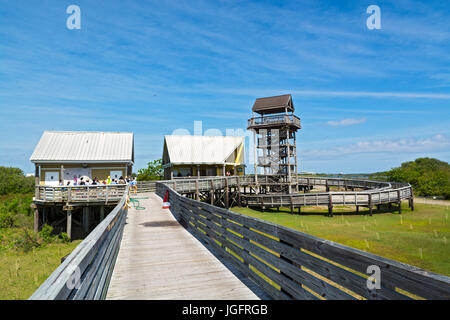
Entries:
{"x":428,"y":176}
{"x":14,"y":181}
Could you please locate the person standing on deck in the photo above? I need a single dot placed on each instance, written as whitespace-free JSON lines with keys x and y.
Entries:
{"x":133,"y":185}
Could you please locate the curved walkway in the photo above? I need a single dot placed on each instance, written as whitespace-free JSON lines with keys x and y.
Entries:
{"x":160,"y":259}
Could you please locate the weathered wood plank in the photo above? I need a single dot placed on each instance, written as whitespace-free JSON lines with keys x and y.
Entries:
{"x":158,"y":258}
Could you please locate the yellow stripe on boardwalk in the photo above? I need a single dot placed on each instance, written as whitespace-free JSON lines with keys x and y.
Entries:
{"x":159,"y":259}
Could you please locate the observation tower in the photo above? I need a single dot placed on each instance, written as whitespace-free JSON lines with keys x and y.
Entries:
{"x":274,"y":128}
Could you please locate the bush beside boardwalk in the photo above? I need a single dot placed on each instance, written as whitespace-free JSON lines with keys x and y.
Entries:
{"x":26,"y":258}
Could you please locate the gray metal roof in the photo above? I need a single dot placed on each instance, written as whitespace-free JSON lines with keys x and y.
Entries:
{"x":274,"y":104}
{"x":201,"y":149}
{"x":84,"y":147}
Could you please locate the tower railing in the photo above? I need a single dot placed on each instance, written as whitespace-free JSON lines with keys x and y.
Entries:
{"x":282,"y":119}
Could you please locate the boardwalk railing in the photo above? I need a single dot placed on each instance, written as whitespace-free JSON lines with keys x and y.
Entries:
{"x":373,"y":193}
{"x":289,"y":264}
{"x":145,"y":186}
{"x":72,"y":194}
{"x":273,"y":120}
{"x":86,"y":272}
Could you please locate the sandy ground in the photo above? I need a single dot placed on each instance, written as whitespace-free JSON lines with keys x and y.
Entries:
{"x":431,"y":201}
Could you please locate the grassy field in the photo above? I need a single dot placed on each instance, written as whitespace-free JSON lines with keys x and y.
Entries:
{"x":420,"y":238}
{"x":21,"y":273}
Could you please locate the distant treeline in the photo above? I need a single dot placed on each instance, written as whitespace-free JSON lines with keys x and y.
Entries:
{"x":428,"y":176}
{"x":13,"y":181}
{"x":154,"y":171}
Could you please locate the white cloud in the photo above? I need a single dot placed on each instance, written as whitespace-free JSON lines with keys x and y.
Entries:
{"x":435,"y":143}
{"x":346,"y":122}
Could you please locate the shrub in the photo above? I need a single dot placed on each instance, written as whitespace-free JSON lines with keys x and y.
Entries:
{"x":6,"y":220}
{"x":46,"y":233}
{"x":64,"y":237}
{"x":428,"y":177}
{"x":27,"y":240}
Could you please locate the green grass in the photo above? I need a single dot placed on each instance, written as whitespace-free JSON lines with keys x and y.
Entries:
{"x":21,"y":273}
{"x":419,"y":238}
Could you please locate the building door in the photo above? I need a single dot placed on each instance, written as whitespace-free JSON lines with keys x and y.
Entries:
{"x":116,"y":174}
{"x":52,"y":178}
{"x":211,"y":172}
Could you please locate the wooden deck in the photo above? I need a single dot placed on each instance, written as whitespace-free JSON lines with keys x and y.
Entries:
{"x":159,"y":259}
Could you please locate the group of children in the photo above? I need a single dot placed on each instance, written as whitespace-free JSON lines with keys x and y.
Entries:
{"x":86,"y":182}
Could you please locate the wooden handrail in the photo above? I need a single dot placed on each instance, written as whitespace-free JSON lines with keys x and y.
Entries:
{"x":303,"y":260}
{"x":274,"y":119}
{"x":86,"y":272}
{"x":381,"y":188}
{"x":79,"y":193}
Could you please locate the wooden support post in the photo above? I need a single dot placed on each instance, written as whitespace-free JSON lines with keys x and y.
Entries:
{"x":327,"y":187}
{"x":211,"y":192}
{"x":330,"y":205}
{"x":255,"y":156}
{"x":239,"y":192}
{"x":357,"y":209}
{"x":288,"y":149}
{"x":44,"y":215}
{"x":36,"y":219}
{"x":299,"y":209}
{"x":69,"y":223}
{"x":86,"y":220}
{"x":197,"y":192}
{"x":296,"y":163}
{"x":102,"y":213}
{"x":292,"y":206}
{"x":399,"y":204}
{"x":227,"y":195}
{"x":411,"y":203}
{"x":306,"y":189}
{"x":370,"y":204}
{"x":37,"y":182}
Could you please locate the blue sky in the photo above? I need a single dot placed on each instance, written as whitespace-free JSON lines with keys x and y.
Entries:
{"x":368,"y":99}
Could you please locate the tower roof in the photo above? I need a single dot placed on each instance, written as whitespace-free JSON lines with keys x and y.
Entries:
{"x":275,"y":104}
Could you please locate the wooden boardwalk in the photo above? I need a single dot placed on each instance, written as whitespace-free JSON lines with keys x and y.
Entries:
{"x":159,"y":259}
